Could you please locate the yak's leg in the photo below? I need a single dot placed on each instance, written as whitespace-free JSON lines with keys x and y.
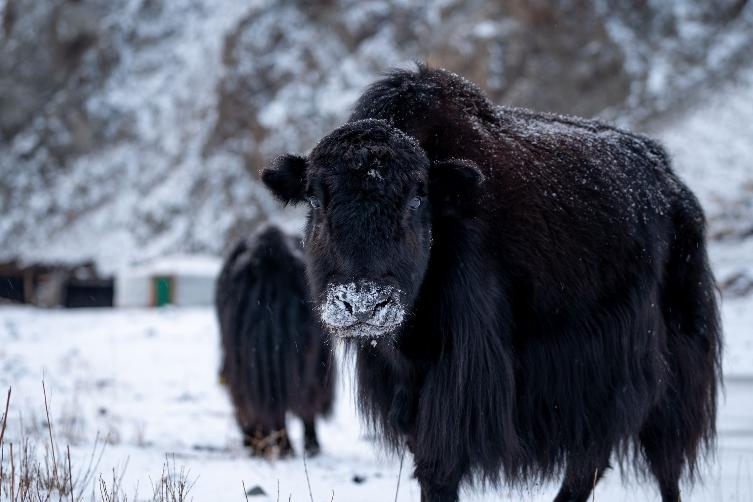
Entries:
{"x":282,"y":447}
{"x":278,"y":442}
{"x":403,"y":410}
{"x":664,"y":456}
{"x":668,"y":478}
{"x":437,"y":487}
{"x":581,"y":476}
{"x":269,"y":442}
{"x":310,"y":440}
{"x":251,"y":434}
{"x":445,"y":490}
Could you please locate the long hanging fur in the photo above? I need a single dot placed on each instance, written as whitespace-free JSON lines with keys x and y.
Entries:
{"x":275,"y":356}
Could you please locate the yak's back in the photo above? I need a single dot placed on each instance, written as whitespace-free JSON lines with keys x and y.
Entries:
{"x":548,"y":161}
{"x":438,"y":108}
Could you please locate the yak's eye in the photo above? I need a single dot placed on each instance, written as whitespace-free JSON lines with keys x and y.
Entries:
{"x":415,"y":203}
{"x":315,"y":202}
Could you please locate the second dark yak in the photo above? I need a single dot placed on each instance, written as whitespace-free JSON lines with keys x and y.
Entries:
{"x":275,"y":357}
{"x":527,"y":295}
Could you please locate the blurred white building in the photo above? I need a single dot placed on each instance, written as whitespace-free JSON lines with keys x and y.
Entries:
{"x":181,"y":280}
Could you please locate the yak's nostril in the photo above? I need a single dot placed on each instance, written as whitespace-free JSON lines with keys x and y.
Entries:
{"x":347,"y":306}
{"x":381,"y":304}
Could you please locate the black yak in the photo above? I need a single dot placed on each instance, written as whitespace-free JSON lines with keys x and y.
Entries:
{"x":527,"y":295}
{"x":275,"y":357}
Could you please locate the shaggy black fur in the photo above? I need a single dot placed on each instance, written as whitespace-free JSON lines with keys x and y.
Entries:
{"x":562,"y":312}
{"x":275,"y":356}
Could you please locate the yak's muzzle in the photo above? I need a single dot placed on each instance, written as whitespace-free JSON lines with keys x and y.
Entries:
{"x":362,"y":309}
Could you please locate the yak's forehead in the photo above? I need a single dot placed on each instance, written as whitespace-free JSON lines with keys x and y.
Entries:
{"x":370,"y":169}
{"x":369,"y":154}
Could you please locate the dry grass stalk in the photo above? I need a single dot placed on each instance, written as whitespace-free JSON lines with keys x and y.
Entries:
{"x":174,"y":485}
{"x":42,"y":477}
{"x":308,"y":481}
{"x":49,"y":430}
{"x":399,"y":473}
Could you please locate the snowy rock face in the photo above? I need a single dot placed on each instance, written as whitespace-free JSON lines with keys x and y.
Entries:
{"x":103,"y":156}
{"x":134,"y":128}
{"x":363,"y":309}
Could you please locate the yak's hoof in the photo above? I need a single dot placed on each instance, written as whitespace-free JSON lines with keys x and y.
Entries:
{"x":312,"y":448}
{"x":272,"y":446}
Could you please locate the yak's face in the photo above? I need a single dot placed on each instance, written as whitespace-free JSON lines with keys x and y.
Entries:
{"x":369,"y":233}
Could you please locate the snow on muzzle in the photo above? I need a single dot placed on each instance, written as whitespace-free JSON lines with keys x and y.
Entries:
{"x":362,"y":309}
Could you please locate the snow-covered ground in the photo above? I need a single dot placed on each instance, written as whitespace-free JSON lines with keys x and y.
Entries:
{"x":147,"y":381}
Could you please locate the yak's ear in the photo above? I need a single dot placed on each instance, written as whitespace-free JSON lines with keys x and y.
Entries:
{"x":454,"y":186}
{"x":286,"y":178}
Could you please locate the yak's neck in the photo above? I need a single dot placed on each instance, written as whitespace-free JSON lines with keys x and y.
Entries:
{"x":460,"y":292}
{"x":466,"y":319}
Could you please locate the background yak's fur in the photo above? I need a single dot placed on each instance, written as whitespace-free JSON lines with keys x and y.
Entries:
{"x":572,"y":316}
{"x":275,"y":356}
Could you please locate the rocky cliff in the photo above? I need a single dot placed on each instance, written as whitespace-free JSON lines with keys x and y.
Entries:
{"x":132,"y":128}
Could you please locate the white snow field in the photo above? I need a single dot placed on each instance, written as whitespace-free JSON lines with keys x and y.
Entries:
{"x":146,"y":380}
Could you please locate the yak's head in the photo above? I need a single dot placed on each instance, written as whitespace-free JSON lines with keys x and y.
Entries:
{"x":374,"y":195}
